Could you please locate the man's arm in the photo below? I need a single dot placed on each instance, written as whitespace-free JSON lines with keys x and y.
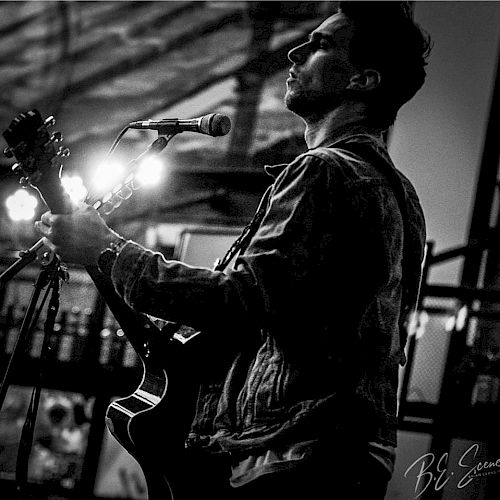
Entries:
{"x":278,"y":279}
{"x":276,"y":282}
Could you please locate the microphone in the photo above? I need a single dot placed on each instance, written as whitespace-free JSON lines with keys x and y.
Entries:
{"x":213,"y":124}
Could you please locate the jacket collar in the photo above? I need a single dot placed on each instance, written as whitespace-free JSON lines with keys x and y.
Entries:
{"x":335,"y":137}
{"x":350,"y":130}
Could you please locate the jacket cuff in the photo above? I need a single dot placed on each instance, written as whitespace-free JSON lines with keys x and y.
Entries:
{"x":127,"y":268}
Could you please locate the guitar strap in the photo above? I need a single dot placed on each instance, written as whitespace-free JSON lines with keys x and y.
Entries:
{"x":243,"y":240}
{"x":412,"y":271}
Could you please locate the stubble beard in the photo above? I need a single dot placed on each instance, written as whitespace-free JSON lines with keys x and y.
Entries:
{"x":309,"y":105}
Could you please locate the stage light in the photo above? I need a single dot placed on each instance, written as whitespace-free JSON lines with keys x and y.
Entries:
{"x":461,"y":321}
{"x":450,"y":323}
{"x":149,"y":172}
{"x":417,"y":323}
{"x":458,"y":320}
{"x":21,"y":205}
{"x":107,"y":175}
{"x":73,"y":185}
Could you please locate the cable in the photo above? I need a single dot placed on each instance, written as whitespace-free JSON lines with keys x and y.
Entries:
{"x":115,"y":142}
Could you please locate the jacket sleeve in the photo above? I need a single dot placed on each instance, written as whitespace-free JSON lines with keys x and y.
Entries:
{"x":290,"y":253}
{"x":274,"y":269}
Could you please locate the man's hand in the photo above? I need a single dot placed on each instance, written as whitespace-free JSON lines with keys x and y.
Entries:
{"x":78,"y":237}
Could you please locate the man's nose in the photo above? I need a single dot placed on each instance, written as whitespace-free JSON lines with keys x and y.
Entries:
{"x":298,"y":54}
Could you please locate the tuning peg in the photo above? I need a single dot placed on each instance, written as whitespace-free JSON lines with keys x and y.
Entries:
{"x":50,"y":121}
{"x":16,"y":168}
{"x":55,"y":137}
{"x":63,"y":152}
{"x":8,"y":152}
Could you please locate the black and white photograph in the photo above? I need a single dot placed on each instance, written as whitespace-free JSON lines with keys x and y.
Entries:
{"x":249,"y":250}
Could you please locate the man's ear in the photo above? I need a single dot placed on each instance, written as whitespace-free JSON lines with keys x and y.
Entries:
{"x":368,"y":79}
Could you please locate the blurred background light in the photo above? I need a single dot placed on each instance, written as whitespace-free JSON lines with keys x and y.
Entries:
{"x":450,"y":324}
{"x":21,"y":205}
{"x":107,"y":175}
{"x":150,"y":172}
{"x":461,"y":320}
{"x":73,"y":185}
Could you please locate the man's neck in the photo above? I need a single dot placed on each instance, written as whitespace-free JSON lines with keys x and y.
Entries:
{"x":319,"y":130}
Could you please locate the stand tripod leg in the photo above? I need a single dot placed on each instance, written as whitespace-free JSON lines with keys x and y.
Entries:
{"x":27,"y":433}
{"x":48,"y":274}
{"x":26,"y":327}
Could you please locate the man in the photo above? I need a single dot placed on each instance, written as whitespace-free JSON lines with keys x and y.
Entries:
{"x":310,"y":320}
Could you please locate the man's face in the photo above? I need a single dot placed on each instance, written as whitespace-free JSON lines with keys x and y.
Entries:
{"x":321,"y":69}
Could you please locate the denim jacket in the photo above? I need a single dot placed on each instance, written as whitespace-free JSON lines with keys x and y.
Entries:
{"x":310,"y":310}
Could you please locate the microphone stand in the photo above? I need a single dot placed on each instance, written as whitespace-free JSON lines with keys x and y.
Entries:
{"x":25,"y":258}
{"x":50,"y":274}
{"x":47,"y":274}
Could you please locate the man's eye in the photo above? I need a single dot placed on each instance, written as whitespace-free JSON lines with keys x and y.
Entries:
{"x":320,"y":44}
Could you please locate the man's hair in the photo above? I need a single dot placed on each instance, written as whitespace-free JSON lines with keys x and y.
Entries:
{"x":387,"y":39}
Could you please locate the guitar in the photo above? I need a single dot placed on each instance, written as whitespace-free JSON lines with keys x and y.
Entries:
{"x":153,"y":422}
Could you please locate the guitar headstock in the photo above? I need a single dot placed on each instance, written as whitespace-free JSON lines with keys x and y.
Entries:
{"x":38,"y":158}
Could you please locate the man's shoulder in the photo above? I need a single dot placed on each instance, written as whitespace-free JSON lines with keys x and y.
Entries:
{"x":353,"y":161}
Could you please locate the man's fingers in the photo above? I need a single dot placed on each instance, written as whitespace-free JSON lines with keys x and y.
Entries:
{"x":47,"y":218}
{"x":43,"y":228}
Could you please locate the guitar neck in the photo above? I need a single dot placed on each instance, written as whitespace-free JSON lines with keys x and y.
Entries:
{"x":39,"y":162}
{"x":137,"y":327}
{"x":53,"y":194}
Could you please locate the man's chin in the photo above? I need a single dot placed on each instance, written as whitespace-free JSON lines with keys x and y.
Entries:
{"x":308,"y":106}
{"x":296,"y":105}
{"x":300,"y":107}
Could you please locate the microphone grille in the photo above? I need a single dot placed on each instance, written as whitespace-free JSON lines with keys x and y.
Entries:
{"x":215,"y":124}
